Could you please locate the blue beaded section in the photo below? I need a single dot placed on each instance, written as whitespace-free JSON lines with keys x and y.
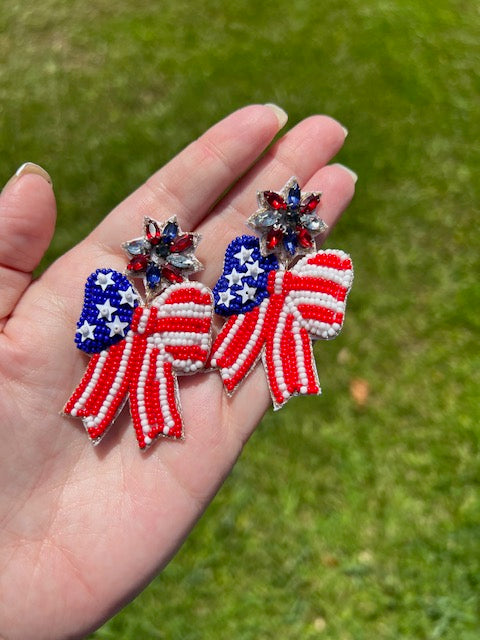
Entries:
{"x":94,"y":294}
{"x":268,"y":263}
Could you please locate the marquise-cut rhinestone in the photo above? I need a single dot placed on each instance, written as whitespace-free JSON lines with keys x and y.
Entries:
{"x":138,"y":263}
{"x":153,"y":276}
{"x":293,"y":198}
{"x":170,"y":231}
{"x":273,"y":239}
{"x":304,"y":238}
{"x":310,"y":203}
{"x":274,"y":200}
{"x":170,"y":274}
{"x":290,"y":242}
{"x":312,"y":223}
{"x":180,"y":261}
{"x":152,"y":232}
{"x":135,"y":247}
{"x":266,"y":219}
{"x":180,"y":243}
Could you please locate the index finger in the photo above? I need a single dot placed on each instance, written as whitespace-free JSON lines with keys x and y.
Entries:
{"x":190,"y":184}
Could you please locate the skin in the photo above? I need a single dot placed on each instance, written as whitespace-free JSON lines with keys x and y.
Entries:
{"x":83,"y":529}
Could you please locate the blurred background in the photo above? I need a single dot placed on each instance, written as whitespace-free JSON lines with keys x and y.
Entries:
{"x":355,"y":515}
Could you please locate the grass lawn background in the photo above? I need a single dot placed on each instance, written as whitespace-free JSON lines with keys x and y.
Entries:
{"x":344,"y":520}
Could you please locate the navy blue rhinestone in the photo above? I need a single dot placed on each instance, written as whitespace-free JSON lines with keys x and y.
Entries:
{"x":170,"y":231}
{"x":290,"y":242}
{"x":153,"y":275}
{"x":293,"y":198}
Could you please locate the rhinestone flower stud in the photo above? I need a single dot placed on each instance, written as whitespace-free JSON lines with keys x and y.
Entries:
{"x":287,"y":222}
{"x":163,"y":256}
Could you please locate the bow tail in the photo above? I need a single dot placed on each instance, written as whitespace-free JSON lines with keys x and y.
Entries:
{"x":289,"y":361}
{"x":239,"y":345}
{"x":102,"y":392}
{"x":154,"y":395}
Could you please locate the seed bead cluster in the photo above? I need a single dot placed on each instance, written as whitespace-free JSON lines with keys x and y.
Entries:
{"x":109,"y":303}
{"x":237,"y":354}
{"x":243,"y":283}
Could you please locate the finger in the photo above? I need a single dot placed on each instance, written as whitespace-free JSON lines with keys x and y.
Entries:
{"x":302,"y":152}
{"x":337,"y":185}
{"x":190,"y":184}
{"x":27,"y":221}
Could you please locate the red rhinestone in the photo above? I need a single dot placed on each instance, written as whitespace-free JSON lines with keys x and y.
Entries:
{"x":153,"y":232}
{"x":274,"y":236}
{"x":170,"y":274}
{"x":304,"y":238}
{"x":138,"y":263}
{"x":181,"y":243}
{"x":274,"y":200}
{"x":310,"y":203}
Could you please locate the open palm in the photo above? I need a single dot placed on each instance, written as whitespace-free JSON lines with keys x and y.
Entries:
{"x":83,"y":529}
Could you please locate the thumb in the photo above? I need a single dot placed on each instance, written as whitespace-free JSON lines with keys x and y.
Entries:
{"x":27,"y":223}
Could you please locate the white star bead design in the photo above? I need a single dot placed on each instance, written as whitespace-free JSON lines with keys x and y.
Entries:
{"x":254,"y":269}
{"x":244,"y":255}
{"x":86,"y":331}
{"x":128,"y":297}
{"x":117,"y":327}
{"x":104,"y":280}
{"x":234,"y":277}
{"x":105,"y":310}
{"x":225,"y":297}
{"x":247,"y":293}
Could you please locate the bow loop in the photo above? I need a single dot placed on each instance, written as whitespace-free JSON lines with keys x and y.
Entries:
{"x":183,"y":325}
{"x":318,"y":290}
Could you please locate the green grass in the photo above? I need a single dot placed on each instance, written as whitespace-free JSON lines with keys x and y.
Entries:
{"x":346,"y":523}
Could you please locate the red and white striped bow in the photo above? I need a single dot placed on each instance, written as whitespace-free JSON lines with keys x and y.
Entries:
{"x":304,"y":303}
{"x":170,"y":337}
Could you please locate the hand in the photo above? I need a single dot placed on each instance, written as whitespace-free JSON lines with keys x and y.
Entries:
{"x":84,"y":529}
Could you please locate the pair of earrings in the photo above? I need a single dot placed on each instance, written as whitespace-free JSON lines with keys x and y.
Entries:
{"x":276,"y":292}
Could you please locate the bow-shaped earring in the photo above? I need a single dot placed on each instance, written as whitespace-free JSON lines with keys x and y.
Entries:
{"x":276,"y":304}
{"x":140,"y":348}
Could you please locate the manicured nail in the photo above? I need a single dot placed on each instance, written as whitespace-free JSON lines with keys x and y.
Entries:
{"x":282,"y":115}
{"x":29,"y":168}
{"x":352,"y":173}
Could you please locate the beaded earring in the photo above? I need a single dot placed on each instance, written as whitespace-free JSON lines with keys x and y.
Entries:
{"x":276,"y":303}
{"x":138,"y":347}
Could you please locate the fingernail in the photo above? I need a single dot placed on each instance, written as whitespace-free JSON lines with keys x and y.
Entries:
{"x":352,"y":173}
{"x":282,"y":115}
{"x":345,"y":130}
{"x":29,"y":168}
